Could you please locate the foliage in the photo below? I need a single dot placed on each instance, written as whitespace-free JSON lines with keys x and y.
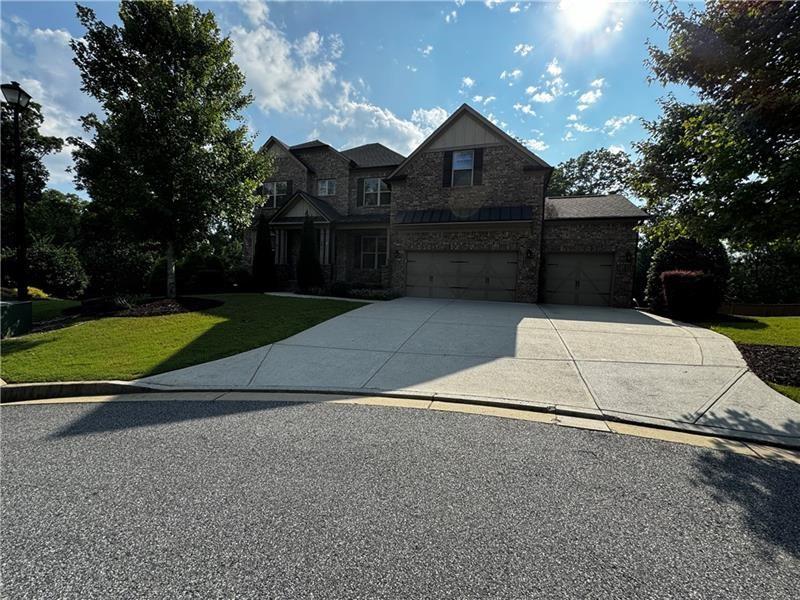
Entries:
{"x":726,"y":167}
{"x":165,"y":158}
{"x":196,"y":272}
{"x":263,"y":257}
{"x":644,"y":257}
{"x":163,"y":343}
{"x":690,"y":294}
{"x":309,"y":271}
{"x":686,"y":254}
{"x":115,"y":261}
{"x":57,"y":216}
{"x":34,"y":293}
{"x":594,"y":172}
{"x":767,"y":274}
{"x":34,"y":146}
{"x":56,"y":269}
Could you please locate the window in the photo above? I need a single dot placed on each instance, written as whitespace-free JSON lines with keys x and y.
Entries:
{"x":275,"y":193}
{"x":376,"y":192}
{"x":462,"y":167}
{"x":373,"y":251}
{"x":326,"y":187}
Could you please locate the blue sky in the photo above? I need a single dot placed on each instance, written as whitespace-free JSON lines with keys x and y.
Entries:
{"x":564,"y":76}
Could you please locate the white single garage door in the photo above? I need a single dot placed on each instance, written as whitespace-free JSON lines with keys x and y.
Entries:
{"x":578,"y":279}
{"x":467,"y":275}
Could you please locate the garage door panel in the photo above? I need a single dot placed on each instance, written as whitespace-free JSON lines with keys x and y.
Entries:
{"x":579,"y":278}
{"x":468,"y":275}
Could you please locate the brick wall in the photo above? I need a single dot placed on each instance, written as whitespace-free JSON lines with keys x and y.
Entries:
{"x":598,"y":236}
{"x":328,"y":164}
{"x":357,"y":174}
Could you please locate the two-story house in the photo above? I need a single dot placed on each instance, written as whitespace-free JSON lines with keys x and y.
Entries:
{"x":465,"y":215}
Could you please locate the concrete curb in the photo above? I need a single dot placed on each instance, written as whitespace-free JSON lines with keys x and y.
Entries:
{"x":12,"y":393}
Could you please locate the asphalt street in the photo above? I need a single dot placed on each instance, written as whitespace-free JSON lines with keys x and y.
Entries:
{"x":257,"y":500}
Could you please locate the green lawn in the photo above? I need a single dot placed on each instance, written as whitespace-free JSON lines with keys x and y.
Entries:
{"x":132,"y":347}
{"x":767,"y":331}
{"x":44,"y":310}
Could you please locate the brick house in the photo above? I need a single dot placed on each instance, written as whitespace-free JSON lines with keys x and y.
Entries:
{"x":465,"y":215}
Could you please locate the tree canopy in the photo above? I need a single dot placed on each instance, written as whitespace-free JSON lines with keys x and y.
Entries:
{"x":594,"y":172}
{"x":726,"y":167}
{"x":35,"y":146}
{"x":171,"y":156}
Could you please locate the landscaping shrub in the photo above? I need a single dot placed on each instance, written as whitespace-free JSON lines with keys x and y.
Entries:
{"x":240,"y":279}
{"x":263,"y":258}
{"x":340,"y":289}
{"x":685,"y":254}
{"x":690,"y":294}
{"x":309,"y":271}
{"x":196,"y":273}
{"x":56,"y":269}
{"x":766,"y":275}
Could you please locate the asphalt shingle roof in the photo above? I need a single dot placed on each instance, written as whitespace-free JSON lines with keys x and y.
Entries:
{"x":591,"y":207}
{"x":374,"y":155}
{"x":445,"y":215}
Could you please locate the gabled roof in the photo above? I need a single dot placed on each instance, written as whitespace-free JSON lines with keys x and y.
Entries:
{"x":313,"y":144}
{"x":611,"y":206}
{"x":273,"y":140}
{"x":482,"y":214}
{"x":466,"y":108}
{"x":373,"y":155}
{"x":323,"y":208}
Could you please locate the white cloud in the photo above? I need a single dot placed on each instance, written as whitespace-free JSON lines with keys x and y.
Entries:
{"x":512,"y":75}
{"x":460,"y":2}
{"x":489,"y":99}
{"x":590,"y":97}
{"x":490,"y":4}
{"x":616,"y":149}
{"x":496,"y":121}
{"x":451,"y":17}
{"x":543,"y":97}
{"x":426,"y":51}
{"x":614,"y":124}
{"x":616,"y":27}
{"x":483,"y":99}
{"x":598,"y":83}
{"x":523,"y":49}
{"x":358,"y":121}
{"x":286,"y":76}
{"x":525,"y":109}
{"x":515,"y":8}
{"x":536,"y":145}
{"x":412,"y":69}
{"x":581,"y":127}
{"x":568,"y":137}
{"x":572,"y":117}
{"x":553,"y":68}
{"x":467,"y":82}
{"x":41,"y":60}
{"x":255,"y":10}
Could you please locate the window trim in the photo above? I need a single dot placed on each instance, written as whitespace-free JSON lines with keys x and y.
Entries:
{"x":274,"y":196}
{"x":327,"y":187}
{"x":471,"y":169}
{"x":376,"y":263}
{"x":381,"y":193}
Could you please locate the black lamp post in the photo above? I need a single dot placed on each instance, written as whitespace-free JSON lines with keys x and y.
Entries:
{"x":18,"y":99}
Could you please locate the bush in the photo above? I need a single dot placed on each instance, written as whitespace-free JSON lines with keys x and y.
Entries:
{"x":263,"y":258}
{"x":56,"y":269}
{"x":240,"y":279}
{"x":34,"y":293}
{"x":685,"y":254}
{"x":690,"y":294}
{"x":195,"y":273}
{"x":340,"y":289}
{"x":766,"y":275}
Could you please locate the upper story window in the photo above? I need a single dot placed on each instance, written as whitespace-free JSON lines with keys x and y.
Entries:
{"x":275,"y":193}
{"x":462,"y":168}
{"x":376,"y":192}
{"x":326,"y":187}
{"x":463,"y":162}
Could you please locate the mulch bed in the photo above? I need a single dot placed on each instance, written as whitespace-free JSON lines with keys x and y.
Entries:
{"x":168,"y":306}
{"x":777,"y":364}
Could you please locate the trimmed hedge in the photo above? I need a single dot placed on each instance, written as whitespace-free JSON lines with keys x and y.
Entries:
{"x":690,"y":294}
{"x":685,"y":254}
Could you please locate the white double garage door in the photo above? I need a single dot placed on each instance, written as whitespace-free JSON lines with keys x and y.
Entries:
{"x":569,"y":278}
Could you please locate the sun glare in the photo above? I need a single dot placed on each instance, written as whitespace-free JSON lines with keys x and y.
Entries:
{"x":584,"y":15}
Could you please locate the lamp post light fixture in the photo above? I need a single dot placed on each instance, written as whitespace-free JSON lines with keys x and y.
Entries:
{"x":18,"y":99}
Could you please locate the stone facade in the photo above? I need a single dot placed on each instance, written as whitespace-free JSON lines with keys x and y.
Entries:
{"x":510,"y":177}
{"x":616,"y":236}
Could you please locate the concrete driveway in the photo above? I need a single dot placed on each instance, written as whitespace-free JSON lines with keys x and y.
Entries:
{"x":614,"y":362}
